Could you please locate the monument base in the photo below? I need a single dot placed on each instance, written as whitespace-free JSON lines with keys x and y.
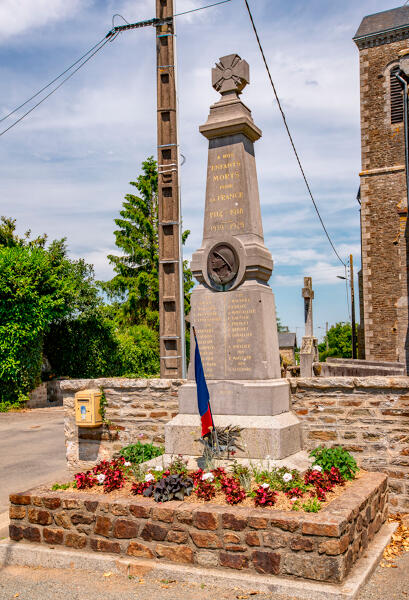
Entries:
{"x":239,"y":397}
{"x":276,"y":436}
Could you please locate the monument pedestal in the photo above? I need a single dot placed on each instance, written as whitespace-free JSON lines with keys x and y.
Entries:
{"x":260,"y":408}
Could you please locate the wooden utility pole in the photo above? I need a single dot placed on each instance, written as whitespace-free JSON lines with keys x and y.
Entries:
{"x":351,"y":274}
{"x":171,"y":296}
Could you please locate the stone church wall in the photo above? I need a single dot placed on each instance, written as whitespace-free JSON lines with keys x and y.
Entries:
{"x":383,"y":189}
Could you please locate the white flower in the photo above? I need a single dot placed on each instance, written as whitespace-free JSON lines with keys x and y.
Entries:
{"x":317,"y":468}
{"x":101,"y":478}
{"x":265,"y":485}
{"x":208,"y":477}
{"x":294,"y":499}
{"x":127,"y":463}
{"x":287,"y":477}
{"x":149,"y":477}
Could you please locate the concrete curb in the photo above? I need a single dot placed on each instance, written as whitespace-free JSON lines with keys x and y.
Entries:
{"x":4,"y":524}
{"x":33,"y":555}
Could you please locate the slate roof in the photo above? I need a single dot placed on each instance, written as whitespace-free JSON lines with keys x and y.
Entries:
{"x":286,"y":339}
{"x":387,"y":20}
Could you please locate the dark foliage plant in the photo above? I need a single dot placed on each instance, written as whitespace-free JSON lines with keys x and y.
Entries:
{"x":172,"y":487}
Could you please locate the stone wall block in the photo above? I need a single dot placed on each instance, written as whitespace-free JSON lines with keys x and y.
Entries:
{"x":139,"y":550}
{"x":73,"y":540}
{"x":40,"y":517}
{"x":153,"y":531}
{"x":205,"y":520}
{"x":125,"y":529}
{"x":233,"y":561}
{"x":15,"y":532}
{"x":266,"y":562}
{"x":103,"y":526}
{"x":105,"y":546}
{"x":206,"y":540}
{"x":53,"y":536}
{"x":62,"y":520}
{"x":32,"y":534}
{"x":177,"y":554}
{"x":17,"y":512}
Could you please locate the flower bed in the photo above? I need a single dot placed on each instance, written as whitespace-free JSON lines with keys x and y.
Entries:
{"x":279,"y":488}
{"x":320,"y":546}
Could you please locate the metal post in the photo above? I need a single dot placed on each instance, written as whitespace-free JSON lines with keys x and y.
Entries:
{"x":351,"y":274}
{"x":171,"y":297}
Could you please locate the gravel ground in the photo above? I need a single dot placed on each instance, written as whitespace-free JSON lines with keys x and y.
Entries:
{"x":56,"y":584}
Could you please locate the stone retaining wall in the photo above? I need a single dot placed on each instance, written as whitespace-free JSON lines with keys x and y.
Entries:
{"x":367,"y":415}
{"x":320,"y":546}
{"x":46,"y":394}
{"x":137,"y":409}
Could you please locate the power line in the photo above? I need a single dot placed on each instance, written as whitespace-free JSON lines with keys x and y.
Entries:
{"x":202,"y":8}
{"x":110,"y":36}
{"x":56,"y":88}
{"x":51,"y":82}
{"x":289,"y":133}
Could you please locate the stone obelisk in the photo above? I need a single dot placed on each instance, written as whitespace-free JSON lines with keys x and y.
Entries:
{"x":309,"y":345}
{"x":233,"y":307}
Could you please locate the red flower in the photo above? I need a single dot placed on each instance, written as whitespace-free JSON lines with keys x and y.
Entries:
{"x":233,"y":492}
{"x":265,"y":497}
{"x":85,"y":480}
{"x":205,"y":490}
{"x":295,"y":492}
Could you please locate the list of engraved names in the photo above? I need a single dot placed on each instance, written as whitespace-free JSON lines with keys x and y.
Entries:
{"x":223,"y":323}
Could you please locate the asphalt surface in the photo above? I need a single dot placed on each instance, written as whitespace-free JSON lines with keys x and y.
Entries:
{"x":32,"y":450}
{"x":27,"y":583}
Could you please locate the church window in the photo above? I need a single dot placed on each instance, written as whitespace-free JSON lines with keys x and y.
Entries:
{"x":396,"y":93}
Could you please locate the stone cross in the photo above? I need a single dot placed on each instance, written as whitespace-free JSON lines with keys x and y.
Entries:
{"x":309,"y":345}
{"x":308,"y":295}
{"x":231,"y":75}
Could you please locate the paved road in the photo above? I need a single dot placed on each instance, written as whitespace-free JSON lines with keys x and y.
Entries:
{"x":26,"y":583}
{"x":32,"y":450}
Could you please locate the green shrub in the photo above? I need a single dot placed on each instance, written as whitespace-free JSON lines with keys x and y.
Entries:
{"x":139,"y":453}
{"x":335,"y":457}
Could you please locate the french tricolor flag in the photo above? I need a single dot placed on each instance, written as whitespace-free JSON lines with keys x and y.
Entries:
{"x":203,"y":402}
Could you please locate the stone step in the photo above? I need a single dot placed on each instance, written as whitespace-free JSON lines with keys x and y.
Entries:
{"x":276,"y":437}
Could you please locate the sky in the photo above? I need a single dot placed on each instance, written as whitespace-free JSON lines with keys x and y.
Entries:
{"x":64,"y":170}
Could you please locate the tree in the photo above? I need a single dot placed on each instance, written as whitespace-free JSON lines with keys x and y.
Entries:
{"x":339,"y":338}
{"x":38,"y":286}
{"x":280,"y":326}
{"x":136,"y":282}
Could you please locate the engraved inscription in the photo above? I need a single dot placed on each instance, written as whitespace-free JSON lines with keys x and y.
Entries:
{"x":226,"y":335}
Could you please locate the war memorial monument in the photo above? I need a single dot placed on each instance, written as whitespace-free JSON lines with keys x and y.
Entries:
{"x":233,"y":308}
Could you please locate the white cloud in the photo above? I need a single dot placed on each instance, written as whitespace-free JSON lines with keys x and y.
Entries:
{"x":16,"y":16}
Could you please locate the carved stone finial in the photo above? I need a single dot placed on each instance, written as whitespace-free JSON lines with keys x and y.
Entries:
{"x":231,"y":74}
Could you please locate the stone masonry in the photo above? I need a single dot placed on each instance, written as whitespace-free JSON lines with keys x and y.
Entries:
{"x":369,"y":416}
{"x":137,"y":410}
{"x":321,"y":546}
{"x":384,"y":237}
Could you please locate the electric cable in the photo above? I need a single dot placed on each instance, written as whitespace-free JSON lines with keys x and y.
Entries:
{"x":57,"y":87}
{"x":186,"y":12}
{"x":289,"y":134}
{"x":51,"y":82}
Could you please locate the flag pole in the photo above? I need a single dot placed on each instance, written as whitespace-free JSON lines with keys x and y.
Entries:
{"x":214,"y":432}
